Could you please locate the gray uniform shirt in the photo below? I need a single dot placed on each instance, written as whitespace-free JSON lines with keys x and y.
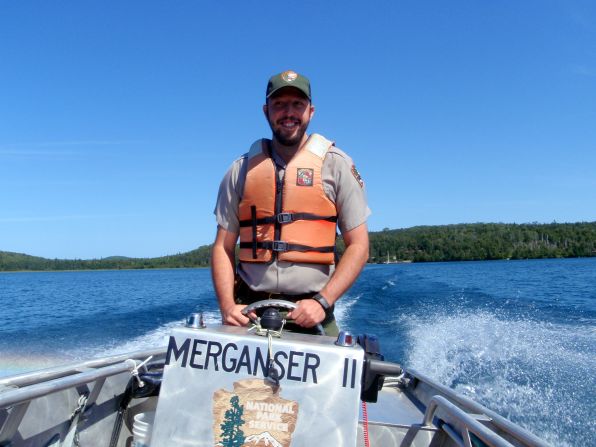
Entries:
{"x":341,"y":184}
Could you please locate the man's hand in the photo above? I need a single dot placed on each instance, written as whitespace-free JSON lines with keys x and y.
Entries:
{"x":232,"y":315}
{"x":308,"y":313}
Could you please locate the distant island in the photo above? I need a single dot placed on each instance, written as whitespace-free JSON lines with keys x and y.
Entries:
{"x":461,"y":242}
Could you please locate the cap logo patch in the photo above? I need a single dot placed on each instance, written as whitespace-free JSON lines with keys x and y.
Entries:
{"x":357,"y":176}
{"x":305,"y":177}
{"x":289,"y":76}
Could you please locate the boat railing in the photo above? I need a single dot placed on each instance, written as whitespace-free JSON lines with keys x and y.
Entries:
{"x":17,"y":392}
{"x":470,"y":406}
{"x":35,"y":377}
{"x":11,"y":397}
{"x":468,"y":422}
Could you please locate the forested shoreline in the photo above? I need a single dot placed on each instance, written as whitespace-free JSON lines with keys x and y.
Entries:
{"x":477,"y":242}
{"x":461,"y":242}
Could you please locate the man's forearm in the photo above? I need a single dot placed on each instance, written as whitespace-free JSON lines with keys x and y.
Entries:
{"x":346,"y":272}
{"x":222,"y":271}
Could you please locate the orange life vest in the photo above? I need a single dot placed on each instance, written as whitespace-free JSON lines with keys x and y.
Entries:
{"x":293,"y":219}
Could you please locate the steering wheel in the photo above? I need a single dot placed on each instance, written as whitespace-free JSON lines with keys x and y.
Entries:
{"x":279,"y":304}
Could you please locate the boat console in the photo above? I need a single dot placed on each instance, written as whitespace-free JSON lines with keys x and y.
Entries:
{"x":229,"y":386}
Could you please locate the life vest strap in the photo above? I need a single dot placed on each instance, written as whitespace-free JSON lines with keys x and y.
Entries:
{"x":281,"y":246}
{"x":253,"y":215}
{"x":284,"y":218}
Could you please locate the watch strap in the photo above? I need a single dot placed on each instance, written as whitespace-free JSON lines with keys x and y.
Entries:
{"x":322,"y":301}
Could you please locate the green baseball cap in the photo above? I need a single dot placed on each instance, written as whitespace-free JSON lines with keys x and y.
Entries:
{"x":288,"y":78}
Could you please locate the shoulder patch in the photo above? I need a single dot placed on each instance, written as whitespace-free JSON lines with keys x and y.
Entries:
{"x":357,"y":176}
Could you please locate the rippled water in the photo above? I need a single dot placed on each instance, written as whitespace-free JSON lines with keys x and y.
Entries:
{"x":518,"y":336}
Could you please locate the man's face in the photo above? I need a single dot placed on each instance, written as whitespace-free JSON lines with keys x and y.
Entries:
{"x":289,"y":113}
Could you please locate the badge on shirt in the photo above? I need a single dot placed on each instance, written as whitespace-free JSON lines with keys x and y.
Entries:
{"x":357,"y":176}
{"x":305,"y":177}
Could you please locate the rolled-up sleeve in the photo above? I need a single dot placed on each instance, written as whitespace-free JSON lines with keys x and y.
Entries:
{"x":228,"y":197}
{"x":343,"y":185}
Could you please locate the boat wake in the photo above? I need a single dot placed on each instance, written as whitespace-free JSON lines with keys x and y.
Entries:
{"x":16,"y":362}
{"x":343,"y":308}
{"x":154,"y":338}
{"x":529,"y":371}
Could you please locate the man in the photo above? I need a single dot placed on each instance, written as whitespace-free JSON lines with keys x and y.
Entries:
{"x":284,"y":199}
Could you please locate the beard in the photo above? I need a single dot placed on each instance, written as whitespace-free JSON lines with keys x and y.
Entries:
{"x":285,"y":138}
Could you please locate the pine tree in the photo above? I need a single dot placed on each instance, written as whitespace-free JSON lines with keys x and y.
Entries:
{"x":231,"y":434}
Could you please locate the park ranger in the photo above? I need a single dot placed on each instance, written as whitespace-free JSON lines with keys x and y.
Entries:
{"x":284,"y":200}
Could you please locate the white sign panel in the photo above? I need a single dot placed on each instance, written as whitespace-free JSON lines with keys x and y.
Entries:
{"x":215,"y":391}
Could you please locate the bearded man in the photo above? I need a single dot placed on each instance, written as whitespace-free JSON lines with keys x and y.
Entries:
{"x":284,"y":199}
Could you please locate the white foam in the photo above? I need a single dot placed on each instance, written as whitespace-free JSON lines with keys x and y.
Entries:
{"x":343,"y":308}
{"x":388,"y":283}
{"x":11,"y":364}
{"x":519,"y":368}
{"x":152,"y":339}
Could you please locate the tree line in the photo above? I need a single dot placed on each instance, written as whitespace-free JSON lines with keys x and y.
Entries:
{"x":461,"y":242}
{"x":484,"y":242}
{"x":18,"y":262}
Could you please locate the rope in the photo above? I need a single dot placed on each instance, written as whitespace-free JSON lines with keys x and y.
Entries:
{"x":365,"y":424}
{"x":272,"y":372}
{"x":72,"y":436}
{"x":266,"y":332}
{"x":135,"y":371}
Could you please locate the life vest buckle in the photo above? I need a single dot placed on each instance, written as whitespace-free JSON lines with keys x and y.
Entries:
{"x":280,"y":246}
{"x":283,"y":218}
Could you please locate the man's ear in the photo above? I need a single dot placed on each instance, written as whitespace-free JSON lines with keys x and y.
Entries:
{"x":312,"y":111}
{"x":266,"y":111}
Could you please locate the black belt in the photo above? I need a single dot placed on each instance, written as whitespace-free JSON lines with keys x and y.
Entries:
{"x":243,"y":294}
{"x":244,"y":291}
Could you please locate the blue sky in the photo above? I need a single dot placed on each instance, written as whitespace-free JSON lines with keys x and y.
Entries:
{"x":118,"y":119}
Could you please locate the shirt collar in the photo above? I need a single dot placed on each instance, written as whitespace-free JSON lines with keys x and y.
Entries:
{"x":277,"y":159}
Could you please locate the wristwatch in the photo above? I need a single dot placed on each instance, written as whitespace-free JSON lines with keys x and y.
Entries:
{"x":322,"y":301}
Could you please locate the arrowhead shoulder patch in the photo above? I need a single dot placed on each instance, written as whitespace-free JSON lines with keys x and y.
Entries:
{"x":357,"y":176}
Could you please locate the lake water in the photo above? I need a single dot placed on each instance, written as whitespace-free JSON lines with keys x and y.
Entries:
{"x":518,"y":336}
